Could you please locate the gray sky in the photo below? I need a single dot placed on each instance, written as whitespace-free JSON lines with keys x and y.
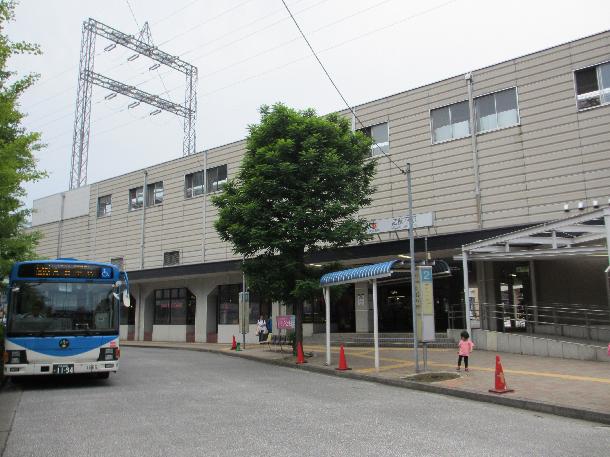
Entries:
{"x":249,"y":53}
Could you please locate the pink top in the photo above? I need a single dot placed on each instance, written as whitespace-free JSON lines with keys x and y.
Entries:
{"x":465,"y":347}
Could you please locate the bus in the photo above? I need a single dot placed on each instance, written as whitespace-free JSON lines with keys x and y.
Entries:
{"x":63,"y":318}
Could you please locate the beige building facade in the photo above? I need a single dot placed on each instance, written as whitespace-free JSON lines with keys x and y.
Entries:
{"x":502,"y":147}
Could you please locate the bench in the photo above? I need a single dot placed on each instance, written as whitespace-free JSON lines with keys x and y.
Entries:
{"x":279,"y":340}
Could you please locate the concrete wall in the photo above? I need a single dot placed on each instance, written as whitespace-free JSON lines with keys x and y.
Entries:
{"x":556,"y":154}
{"x":529,"y":345}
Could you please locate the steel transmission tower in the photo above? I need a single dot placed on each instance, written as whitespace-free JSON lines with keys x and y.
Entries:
{"x":142,"y":45}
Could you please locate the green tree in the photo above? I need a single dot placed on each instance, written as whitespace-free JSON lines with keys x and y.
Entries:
{"x":17,"y":147}
{"x":301,"y":183}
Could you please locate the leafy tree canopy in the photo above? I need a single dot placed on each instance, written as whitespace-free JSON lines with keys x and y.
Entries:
{"x":17,"y":147}
{"x":301,"y":184}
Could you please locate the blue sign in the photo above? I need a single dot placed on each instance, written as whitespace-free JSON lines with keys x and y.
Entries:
{"x":106,"y":273}
{"x":426,"y":274}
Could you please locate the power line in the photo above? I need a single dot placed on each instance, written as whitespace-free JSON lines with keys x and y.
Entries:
{"x":132,"y":13}
{"x":335,"y":86}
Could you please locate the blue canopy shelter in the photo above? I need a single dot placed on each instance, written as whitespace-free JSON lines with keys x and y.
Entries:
{"x":353,"y":275}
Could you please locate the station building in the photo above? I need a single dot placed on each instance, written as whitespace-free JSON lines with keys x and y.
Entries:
{"x":499,"y":149}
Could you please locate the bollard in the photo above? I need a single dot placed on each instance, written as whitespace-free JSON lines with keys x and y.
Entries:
{"x":238,"y":349}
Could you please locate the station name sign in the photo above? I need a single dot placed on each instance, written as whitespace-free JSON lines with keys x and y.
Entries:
{"x":395,"y":224}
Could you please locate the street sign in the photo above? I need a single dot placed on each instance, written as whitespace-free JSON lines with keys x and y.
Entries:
{"x":244,"y":312}
{"x":425,"y":303}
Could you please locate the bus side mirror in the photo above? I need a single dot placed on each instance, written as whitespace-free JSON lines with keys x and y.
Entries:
{"x":126,"y":298}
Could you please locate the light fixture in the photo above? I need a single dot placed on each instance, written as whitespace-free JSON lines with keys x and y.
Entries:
{"x":110,"y":47}
{"x":133,"y":105}
{"x":133,"y":57}
{"x":404,"y":256}
{"x":110,"y":96}
{"x":315,"y":265}
{"x":566,"y":207}
{"x":581,"y":205}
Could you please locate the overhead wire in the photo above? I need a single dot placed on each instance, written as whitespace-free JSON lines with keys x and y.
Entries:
{"x":349,"y":107}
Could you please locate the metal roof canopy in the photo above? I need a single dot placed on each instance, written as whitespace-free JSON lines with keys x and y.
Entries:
{"x":579,"y":235}
{"x":572,"y":236}
{"x":360,"y":274}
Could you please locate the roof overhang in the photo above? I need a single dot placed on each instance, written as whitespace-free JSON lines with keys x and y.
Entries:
{"x":582,"y":235}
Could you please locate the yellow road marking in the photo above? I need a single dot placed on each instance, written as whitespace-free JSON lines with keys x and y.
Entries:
{"x":401,"y":363}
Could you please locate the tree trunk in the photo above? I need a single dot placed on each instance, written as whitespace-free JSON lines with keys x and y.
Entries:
{"x":298,"y":304}
{"x":298,"y":331}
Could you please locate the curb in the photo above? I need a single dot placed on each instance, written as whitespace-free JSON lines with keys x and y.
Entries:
{"x":529,"y":405}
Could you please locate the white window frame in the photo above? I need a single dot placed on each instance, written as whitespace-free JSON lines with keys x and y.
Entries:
{"x":129,"y":198}
{"x":208,"y":183}
{"x":599,"y":90}
{"x":105,"y":213}
{"x":374,"y":145}
{"x":432,"y":127}
{"x":185,"y":186}
{"x":474,"y":104}
{"x":151,"y":193}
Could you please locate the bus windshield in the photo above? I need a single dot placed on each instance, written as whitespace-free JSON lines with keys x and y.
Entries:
{"x":62,"y":307}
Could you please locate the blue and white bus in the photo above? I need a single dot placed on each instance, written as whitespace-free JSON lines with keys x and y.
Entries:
{"x":63,"y":318}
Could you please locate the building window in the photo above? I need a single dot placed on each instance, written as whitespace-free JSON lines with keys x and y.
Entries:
{"x":104,"y":205}
{"x":136,"y":198}
{"x":216,"y":178}
{"x":497,"y":110}
{"x":174,"y":307}
{"x":171,"y":258}
{"x":193,"y":184}
{"x":154,"y":194}
{"x":381,"y":139}
{"x":119,"y":262}
{"x":593,"y":86}
{"x":450,"y":122}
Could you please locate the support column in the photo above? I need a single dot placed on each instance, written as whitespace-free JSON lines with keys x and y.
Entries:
{"x":534,"y":295}
{"x":466,"y":291}
{"x":375,"y":324}
{"x":327,"y":303}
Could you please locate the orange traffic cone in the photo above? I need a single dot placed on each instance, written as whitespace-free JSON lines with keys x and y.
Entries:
{"x":342,"y":361}
{"x":234,"y":344}
{"x":300,"y":355}
{"x":501,"y":387}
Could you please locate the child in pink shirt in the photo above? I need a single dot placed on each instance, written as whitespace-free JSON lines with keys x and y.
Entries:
{"x":464,"y":349}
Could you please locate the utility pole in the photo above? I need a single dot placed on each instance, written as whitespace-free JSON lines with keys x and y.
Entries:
{"x":412,"y":254}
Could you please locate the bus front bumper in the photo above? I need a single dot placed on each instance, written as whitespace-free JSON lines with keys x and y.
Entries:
{"x":32,"y":369}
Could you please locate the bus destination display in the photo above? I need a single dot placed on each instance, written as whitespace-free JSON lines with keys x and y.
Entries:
{"x":64,"y":270}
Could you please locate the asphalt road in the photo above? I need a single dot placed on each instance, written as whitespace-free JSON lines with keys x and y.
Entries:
{"x":184,"y":403}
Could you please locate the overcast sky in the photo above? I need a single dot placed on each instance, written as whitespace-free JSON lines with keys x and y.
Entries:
{"x":249,"y":53}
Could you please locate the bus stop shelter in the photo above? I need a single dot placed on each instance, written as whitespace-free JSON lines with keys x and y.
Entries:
{"x":354,"y":275}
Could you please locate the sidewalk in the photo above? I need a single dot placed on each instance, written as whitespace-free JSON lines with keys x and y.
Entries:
{"x":569,"y":388}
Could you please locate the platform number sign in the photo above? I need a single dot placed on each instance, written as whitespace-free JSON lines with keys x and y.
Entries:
{"x":425,"y":303}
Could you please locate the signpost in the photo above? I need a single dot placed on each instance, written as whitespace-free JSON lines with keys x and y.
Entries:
{"x":425,"y":308}
{"x":244,"y":315}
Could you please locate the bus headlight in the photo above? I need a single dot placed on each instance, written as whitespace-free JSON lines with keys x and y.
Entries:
{"x":15,"y":357}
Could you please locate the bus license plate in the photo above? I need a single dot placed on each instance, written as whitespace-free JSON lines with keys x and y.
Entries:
{"x":64,"y":368}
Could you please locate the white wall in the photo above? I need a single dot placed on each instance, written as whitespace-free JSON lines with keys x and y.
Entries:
{"x":48,"y":209}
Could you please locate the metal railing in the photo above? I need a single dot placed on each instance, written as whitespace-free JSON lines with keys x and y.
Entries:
{"x":573,"y":320}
